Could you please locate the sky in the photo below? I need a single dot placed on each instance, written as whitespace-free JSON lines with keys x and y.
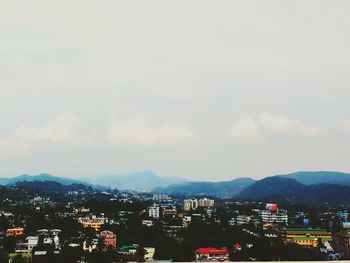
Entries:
{"x":205,"y":90}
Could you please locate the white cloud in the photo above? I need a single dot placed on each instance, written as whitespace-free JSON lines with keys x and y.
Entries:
{"x":244,"y":129}
{"x":62,"y":130}
{"x":139,"y":132}
{"x":284,"y":124}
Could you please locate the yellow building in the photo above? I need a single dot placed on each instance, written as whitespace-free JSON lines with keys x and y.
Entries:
{"x":306,"y":236}
{"x":94,"y":224}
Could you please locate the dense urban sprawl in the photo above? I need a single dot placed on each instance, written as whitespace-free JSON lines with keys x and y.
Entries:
{"x":86,"y":225}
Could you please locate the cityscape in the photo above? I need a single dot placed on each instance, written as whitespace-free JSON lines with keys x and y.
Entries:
{"x":174,"y":131}
{"x":47,"y":221}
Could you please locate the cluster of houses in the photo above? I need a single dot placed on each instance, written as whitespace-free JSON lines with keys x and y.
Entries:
{"x":271,"y":222}
{"x":256,"y":220}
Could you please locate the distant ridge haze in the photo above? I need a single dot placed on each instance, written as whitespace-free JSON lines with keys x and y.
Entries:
{"x":148,"y":180}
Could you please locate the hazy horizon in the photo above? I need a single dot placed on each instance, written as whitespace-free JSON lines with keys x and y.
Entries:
{"x":199,"y":90}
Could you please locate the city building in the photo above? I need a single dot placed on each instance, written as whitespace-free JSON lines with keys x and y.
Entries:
{"x":128,"y":249}
{"x":31,"y":242}
{"x":93,"y":221}
{"x":147,"y":223}
{"x":168,"y":209}
{"x":149,"y":253}
{"x":279,"y":216}
{"x":154,"y":211}
{"x":190,"y":204}
{"x":306,"y":236}
{"x":342,"y":243}
{"x":212,"y":254}
{"x":161,"y":197}
{"x":242,"y":220}
{"x":205,"y":202}
{"x":15,"y":232}
{"x":90,"y":245}
{"x":81,"y":210}
{"x":109,"y":239}
{"x":343,"y":215}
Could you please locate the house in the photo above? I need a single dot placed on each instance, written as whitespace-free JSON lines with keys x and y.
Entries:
{"x":237,"y":247}
{"x":15,"y":232}
{"x":109,"y":239}
{"x":212,"y":254}
{"x":271,"y":234}
{"x":93,"y":222}
{"x":190,"y":204}
{"x":149,"y":253}
{"x":168,"y":209}
{"x":90,"y":245}
{"x":205,"y":202}
{"x":154,"y":211}
{"x":279,"y":216}
{"x":128,"y":249}
{"x":147,"y":223}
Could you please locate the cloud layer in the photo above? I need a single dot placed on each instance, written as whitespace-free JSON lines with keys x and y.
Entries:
{"x":139,"y":132}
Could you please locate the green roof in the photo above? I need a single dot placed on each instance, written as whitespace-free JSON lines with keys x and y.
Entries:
{"x":128,"y":247}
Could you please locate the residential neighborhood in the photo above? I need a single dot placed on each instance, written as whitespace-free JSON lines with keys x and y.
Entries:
{"x":112,"y":226}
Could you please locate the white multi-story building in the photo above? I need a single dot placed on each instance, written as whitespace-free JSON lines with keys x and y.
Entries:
{"x":279,"y":216}
{"x":154,"y":211}
{"x":147,"y":223}
{"x":242,"y":220}
{"x":190,"y":204}
{"x":343,"y":215}
{"x":205,"y":202}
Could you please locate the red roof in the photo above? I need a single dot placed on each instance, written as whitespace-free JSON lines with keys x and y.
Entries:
{"x":212,"y":250}
{"x":237,"y":245}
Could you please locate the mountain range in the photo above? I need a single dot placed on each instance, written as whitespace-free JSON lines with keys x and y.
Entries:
{"x":322,"y":186}
{"x":139,"y":181}
{"x":40,"y":177}
{"x":224,"y":189}
{"x":143,"y":181}
{"x":296,"y":186}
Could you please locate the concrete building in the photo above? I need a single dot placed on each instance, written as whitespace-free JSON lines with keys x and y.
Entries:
{"x":147,"y":223}
{"x":190,"y":204}
{"x":343,"y":215}
{"x":212,"y":254}
{"x":149,"y":253}
{"x":168,"y":209}
{"x":154,"y":211}
{"x":306,"y":236}
{"x":15,"y":232}
{"x":279,"y":216}
{"x":205,"y":202}
{"x":93,"y":221}
{"x":26,"y":247}
{"x":242,"y":220}
{"x":109,"y":239}
{"x":90,"y":245}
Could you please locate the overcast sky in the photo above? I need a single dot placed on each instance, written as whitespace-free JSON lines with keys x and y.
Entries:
{"x":203,"y":90}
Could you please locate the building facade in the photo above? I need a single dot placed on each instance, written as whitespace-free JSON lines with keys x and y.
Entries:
{"x":109,"y":239}
{"x":190,"y":204}
{"x":205,"y":202}
{"x":154,"y":211}
{"x":212,"y":254}
{"x":306,"y":236}
{"x":279,"y":216}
